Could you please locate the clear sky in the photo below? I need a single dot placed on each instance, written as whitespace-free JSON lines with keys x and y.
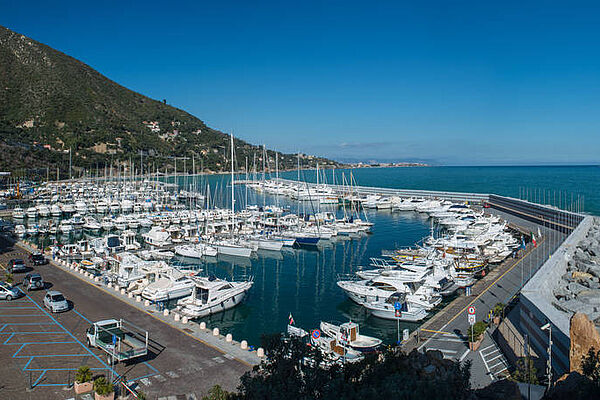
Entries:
{"x":450,"y":82}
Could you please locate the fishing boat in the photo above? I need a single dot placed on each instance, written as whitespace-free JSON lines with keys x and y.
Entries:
{"x":348,"y":333}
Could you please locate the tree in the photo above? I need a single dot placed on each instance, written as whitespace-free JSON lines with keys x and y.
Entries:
{"x":591,"y":366}
{"x":294,"y":370}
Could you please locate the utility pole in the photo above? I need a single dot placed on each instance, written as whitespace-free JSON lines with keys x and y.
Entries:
{"x":70,"y":164}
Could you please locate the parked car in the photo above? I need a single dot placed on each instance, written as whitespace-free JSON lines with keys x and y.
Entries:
{"x":33,"y":281}
{"x":9,"y":292}
{"x":38,"y":259}
{"x":16,"y":265}
{"x":55,"y":301}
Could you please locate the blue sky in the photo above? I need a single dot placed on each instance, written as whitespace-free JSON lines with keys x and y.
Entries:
{"x":449,"y":82}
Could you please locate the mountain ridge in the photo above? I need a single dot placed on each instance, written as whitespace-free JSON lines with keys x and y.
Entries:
{"x":51,"y":102}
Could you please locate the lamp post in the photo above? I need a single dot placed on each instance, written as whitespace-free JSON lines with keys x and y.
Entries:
{"x":548,"y":327}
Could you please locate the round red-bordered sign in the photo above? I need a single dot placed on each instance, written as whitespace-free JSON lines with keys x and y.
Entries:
{"x":471,"y":310}
{"x":316,"y":334}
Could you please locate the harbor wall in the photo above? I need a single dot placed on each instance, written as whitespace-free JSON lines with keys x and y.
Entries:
{"x":476,"y":198}
{"x":545,"y":215}
{"x":536,"y":306}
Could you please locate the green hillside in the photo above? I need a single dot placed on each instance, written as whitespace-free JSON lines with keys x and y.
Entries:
{"x":50,"y":102}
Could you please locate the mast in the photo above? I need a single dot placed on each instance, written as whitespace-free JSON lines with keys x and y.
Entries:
{"x":232,"y":190}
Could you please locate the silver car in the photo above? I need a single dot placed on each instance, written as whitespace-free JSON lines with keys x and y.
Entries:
{"x":9,"y":292}
{"x":55,"y":301}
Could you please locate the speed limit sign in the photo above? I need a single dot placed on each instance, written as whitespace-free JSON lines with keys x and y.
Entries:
{"x":471,"y":310}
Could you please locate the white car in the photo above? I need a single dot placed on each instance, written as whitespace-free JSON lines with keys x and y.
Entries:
{"x":9,"y":292}
{"x":55,"y":301}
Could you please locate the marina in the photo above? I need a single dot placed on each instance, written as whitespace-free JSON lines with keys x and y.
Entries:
{"x":385,"y":260}
{"x":275,"y":201}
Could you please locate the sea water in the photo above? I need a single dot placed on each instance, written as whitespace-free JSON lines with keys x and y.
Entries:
{"x":302,"y":282}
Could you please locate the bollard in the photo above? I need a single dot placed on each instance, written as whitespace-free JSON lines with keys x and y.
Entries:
{"x":176,"y":317}
{"x":203,"y":325}
{"x":130,"y":295}
{"x":184,"y":320}
{"x":166,"y":312}
{"x":138,"y":298}
{"x":109,"y":285}
{"x":228,"y":338}
{"x":147,"y":303}
{"x":123,"y":291}
{"x":244,"y":345}
{"x":260,"y":352}
{"x":216,"y":332}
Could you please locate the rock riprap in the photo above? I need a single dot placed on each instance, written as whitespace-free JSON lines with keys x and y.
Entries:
{"x":578,"y":290}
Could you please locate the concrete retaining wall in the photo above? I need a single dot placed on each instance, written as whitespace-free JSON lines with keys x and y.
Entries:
{"x":537,"y":298}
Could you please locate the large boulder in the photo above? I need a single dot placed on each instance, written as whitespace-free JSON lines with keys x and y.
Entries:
{"x":583,"y":336}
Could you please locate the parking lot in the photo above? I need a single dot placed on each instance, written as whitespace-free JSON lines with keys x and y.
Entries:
{"x":44,"y":349}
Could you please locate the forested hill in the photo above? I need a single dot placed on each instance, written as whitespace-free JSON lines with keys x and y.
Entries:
{"x":50,"y":102}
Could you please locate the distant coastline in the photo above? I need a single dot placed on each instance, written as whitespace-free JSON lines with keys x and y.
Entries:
{"x":387,"y":165}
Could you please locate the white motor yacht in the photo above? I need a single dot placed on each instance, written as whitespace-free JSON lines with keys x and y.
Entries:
{"x":20,"y":231}
{"x":91,"y":225}
{"x":212,"y":295}
{"x":43,"y":210}
{"x":232,"y":248}
{"x":196,"y":250}
{"x":170,"y":284}
{"x":32,"y":212}
{"x":18,"y":213}
{"x":107,"y":224}
{"x":157,"y":237}
{"x":386,"y":309}
{"x":56,"y":210}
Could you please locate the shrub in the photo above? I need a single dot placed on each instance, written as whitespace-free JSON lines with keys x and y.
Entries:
{"x":103,"y":387}
{"x":476,"y":331}
{"x":83,"y":374}
{"x":525,"y":371}
{"x":217,"y":393}
{"x":498,"y":310}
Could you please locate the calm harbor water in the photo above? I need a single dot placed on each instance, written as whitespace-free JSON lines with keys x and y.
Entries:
{"x":303,"y":282}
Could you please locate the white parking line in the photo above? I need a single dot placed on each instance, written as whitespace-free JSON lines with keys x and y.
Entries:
{"x":490,"y":353}
{"x":443,"y":350}
{"x":501,"y":362}
{"x":464,"y":355}
{"x":493,"y":358}
{"x":449,"y":339}
{"x":486,"y":348}
{"x":487,"y":367}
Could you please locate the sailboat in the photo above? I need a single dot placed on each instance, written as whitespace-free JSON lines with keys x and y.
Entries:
{"x":230,"y":246}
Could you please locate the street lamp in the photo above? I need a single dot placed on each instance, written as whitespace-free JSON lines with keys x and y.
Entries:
{"x":548,"y":327}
